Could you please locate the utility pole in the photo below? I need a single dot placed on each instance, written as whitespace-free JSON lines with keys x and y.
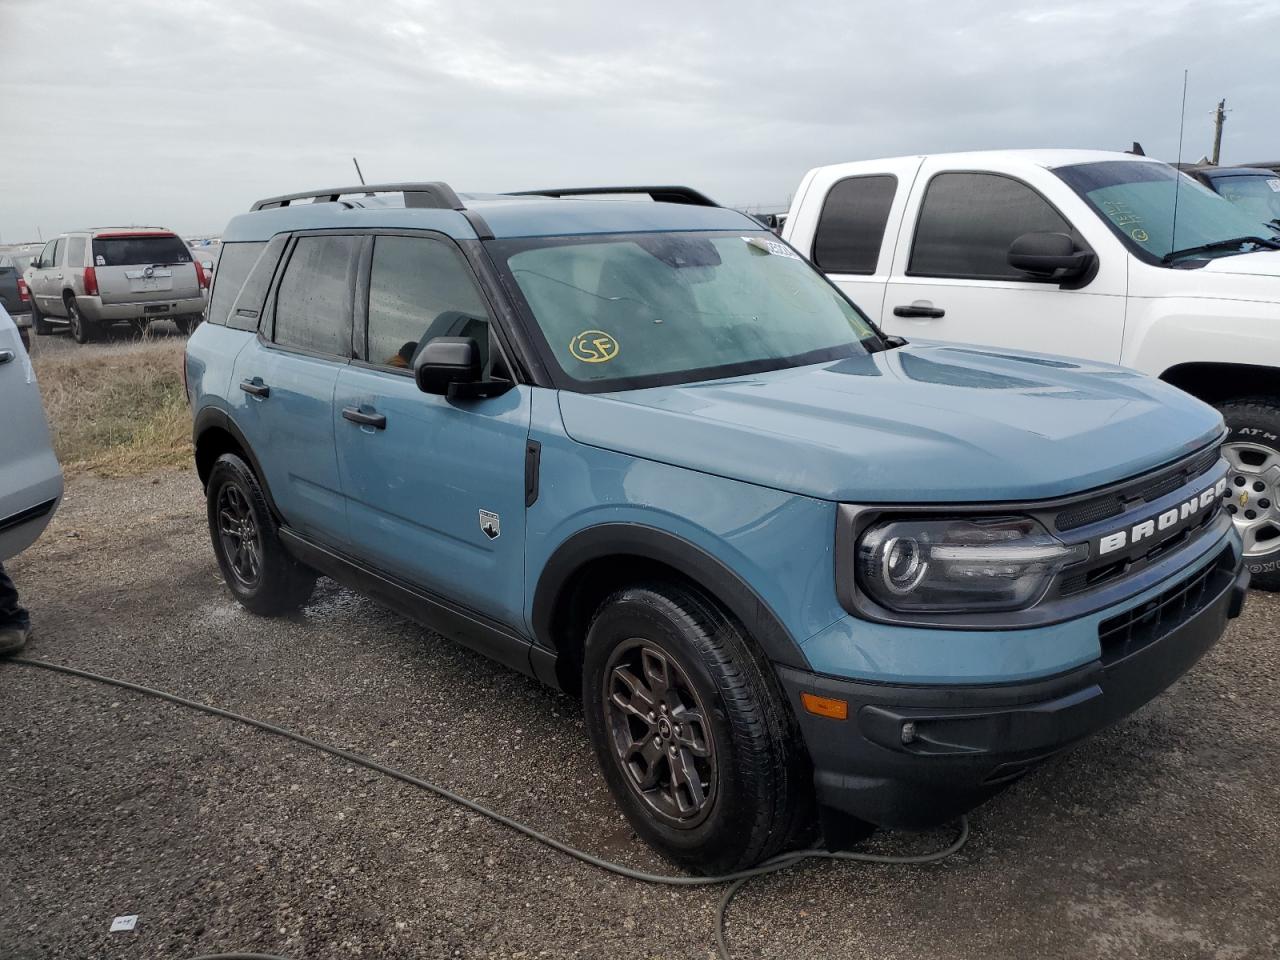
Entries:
{"x":1219,"y":118}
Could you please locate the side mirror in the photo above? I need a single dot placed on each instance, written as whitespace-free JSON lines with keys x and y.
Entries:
{"x":450,"y":367}
{"x":1050,"y":256}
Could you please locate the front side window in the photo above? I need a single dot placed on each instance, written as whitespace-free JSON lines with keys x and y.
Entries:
{"x":851,"y":227}
{"x":620,"y":312}
{"x":46,"y":255}
{"x":59,"y":246}
{"x":969,"y":220}
{"x":1137,"y":200}
{"x":313,"y":303}
{"x":419,"y":289}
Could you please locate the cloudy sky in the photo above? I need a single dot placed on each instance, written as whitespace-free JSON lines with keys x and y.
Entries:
{"x":139,"y":111}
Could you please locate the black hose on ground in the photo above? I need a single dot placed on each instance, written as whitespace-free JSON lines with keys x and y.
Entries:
{"x":735,"y":880}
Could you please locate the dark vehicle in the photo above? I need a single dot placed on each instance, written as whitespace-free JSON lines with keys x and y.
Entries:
{"x":14,"y":295}
{"x":1255,"y":189}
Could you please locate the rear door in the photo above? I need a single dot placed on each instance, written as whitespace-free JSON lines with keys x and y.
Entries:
{"x":285,"y":377}
{"x":951,"y":279}
{"x":435,"y":487}
{"x":855,"y":226}
{"x":142,"y":267}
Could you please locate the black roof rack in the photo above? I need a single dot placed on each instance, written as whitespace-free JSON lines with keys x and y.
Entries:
{"x":436,"y":194}
{"x":668,"y":194}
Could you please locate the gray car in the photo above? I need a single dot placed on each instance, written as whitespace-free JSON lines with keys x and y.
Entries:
{"x":30,"y":478}
{"x":87,"y":279}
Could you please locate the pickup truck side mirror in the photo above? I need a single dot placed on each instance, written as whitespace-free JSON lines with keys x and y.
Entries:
{"x":1051,"y":256}
{"x":450,"y":367}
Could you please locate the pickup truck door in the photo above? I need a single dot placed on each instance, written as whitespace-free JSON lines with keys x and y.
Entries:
{"x":853,"y":223}
{"x":951,"y":280}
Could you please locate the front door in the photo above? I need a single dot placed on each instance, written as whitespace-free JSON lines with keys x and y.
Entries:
{"x":285,"y":381}
{"x":435,"y":487}
{"x":951,"y":278}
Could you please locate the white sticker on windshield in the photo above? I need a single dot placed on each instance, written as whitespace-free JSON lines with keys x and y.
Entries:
{"x":1274,"y":185}
{"x":772,"y":246}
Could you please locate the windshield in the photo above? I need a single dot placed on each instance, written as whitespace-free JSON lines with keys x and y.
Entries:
{"x":1137,"y":201}
{"x":618,"y":312}
{"x":1258,"y":194}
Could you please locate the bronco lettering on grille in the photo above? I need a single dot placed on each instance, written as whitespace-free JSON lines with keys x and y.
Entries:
{"x":1165,"y":523}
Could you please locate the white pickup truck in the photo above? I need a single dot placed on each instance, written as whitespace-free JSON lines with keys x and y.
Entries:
{"x":1106,"y":256}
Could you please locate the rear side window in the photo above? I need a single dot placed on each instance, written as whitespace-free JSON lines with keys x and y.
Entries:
{"x":851,"y":227}
{"x":968,"y":221}
{"x":313,"y":303}
{"x":420,"y":289}
{"x":127,"y":251}
{"x":234,"y":264}
{"x":75,"y":251}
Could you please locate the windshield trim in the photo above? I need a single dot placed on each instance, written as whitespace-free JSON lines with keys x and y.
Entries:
{"x":500,"y":250}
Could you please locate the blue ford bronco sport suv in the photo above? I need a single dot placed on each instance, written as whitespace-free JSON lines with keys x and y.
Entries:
{"x":802,"y":575}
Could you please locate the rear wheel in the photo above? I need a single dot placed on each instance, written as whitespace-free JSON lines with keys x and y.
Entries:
{"x":694,"y":740}
{"x":1253,"y":483}
{"x":257,"y":568}
{"x":187,"y":324}
{"x":82,"y":329}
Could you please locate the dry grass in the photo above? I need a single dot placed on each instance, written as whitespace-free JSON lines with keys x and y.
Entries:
{"x":117,"y":409}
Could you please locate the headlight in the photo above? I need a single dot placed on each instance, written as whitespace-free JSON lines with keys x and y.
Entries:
{"x":953,"y":566}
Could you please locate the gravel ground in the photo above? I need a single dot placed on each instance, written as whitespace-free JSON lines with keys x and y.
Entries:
{"x":1157,"y":839}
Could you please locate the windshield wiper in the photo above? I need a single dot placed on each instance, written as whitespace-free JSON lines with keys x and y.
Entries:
{"x":1220,"y":245}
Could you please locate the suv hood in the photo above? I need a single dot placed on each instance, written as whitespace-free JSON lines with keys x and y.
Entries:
{"x":1259,"y":263}
{"x":923,"y":423}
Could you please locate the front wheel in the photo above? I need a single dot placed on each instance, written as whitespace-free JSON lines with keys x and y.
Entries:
{"x":254,"y":563}
{"x":695,"y":742}
{"x":39,"y":324}
{"x":1252,"y":449}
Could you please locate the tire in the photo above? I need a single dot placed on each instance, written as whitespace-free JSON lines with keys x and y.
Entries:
{"x":254,"y":563}
{"x":721,"y":714}
{"x":82,"y":328}
{"x":186,"y":324}
{"x":39,"y":324}
{"x":25,"y":337}
{"x":1252,"y":448}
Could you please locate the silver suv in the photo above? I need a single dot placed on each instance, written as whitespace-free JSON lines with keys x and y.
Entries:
{"x":88,"y":278}
{"x":30,"y":478}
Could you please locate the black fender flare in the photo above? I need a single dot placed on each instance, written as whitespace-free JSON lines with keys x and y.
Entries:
{"x":690,"y":560}
{"x":211,"y":418}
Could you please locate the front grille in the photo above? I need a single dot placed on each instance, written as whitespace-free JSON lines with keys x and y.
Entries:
{"x":1152,"y":487}
{"x":1134,"y":629}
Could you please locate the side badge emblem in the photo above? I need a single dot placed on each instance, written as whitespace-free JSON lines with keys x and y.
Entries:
{"x":490,"y":524}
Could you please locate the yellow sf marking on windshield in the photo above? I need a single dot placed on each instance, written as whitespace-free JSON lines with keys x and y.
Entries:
{"x":593,"y":346}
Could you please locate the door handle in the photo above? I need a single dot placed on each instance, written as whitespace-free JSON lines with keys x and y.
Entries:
{"x":6,"y":356}
{"x":255,"y":388}
{"x":921,"y":309}
{"x":376,"y":420}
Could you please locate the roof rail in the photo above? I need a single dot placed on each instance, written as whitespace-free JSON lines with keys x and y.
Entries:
{"x":435,"y":194}
{"x":668,"y":194}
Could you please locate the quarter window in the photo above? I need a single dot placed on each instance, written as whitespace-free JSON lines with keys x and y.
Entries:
{"x":968,"y":221}
{"x":420,"y":289}
{"x":234,"y":263}
{"x":313,"y":305}
{"x":851,"y":227}
{"x":75,"y":251}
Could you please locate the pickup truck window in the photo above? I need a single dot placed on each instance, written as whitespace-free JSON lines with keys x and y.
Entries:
{"x":1136,"y":201}
{"x":968,"y":221}
{"x":851,"y":226}
{"x":641,"y":310}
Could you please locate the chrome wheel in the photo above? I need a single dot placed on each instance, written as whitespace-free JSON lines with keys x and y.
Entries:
{"x":1253,"y":485}
{"x":239,"y":535}
{"x":660,"y":733}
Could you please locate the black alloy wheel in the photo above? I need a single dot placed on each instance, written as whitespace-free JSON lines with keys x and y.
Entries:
{"x":239,"y":535}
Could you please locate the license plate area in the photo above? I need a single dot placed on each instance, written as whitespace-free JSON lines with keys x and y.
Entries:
{"x":156,"y":308}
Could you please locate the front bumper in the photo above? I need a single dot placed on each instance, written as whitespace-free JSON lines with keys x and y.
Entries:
{"x":915,"y":756}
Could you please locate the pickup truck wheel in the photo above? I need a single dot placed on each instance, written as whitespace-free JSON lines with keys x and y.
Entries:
{"x":1252,"y":449}
{"x":693,"y":739}
{"x":257,"y":568}
{"x":82,"y":329}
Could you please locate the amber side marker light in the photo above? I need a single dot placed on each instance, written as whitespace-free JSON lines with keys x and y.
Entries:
{"x":825,"y":706}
